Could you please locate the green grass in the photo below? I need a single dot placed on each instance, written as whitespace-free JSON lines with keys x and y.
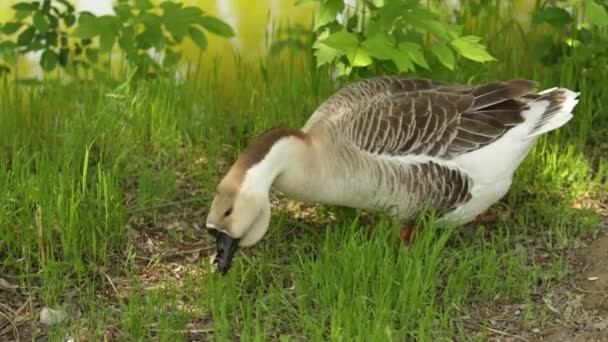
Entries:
{"x":77,"y":170}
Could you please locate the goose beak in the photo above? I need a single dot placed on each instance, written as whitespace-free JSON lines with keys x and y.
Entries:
{"x":226,"y":247}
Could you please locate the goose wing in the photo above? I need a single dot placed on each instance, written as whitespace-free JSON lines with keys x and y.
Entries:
{"x":400,"y":116}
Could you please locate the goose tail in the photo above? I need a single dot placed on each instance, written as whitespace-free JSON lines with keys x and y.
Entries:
{"x":558,"y":103}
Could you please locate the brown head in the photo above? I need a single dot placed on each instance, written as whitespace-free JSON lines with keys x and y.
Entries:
{"x":240,"y":212}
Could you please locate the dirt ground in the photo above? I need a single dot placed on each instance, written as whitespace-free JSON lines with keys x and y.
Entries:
{"x":576,"y":308}
{"x":585,"y":315}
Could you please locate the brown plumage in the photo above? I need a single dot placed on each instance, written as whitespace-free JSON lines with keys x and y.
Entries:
{"x":401,"y":116}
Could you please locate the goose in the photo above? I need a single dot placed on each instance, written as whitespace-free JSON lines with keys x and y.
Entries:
{"x":389,"y":143}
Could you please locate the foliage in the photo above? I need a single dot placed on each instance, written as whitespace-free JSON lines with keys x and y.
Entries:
{"x":583,"y":39}
{"x":136,"y":27}
{"x":40,"y":27}
{"x":398,"y":35}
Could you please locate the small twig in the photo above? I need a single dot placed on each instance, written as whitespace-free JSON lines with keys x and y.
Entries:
{"x":198,"y":331}
{"x":168,"y":254}
{"x":111,"y":282}
{"x":504,"y":333}
{"x":586,"y":291}
{"x":164,"y":205}
{"x":13,"y":325}
{"x":187,"y":331}
{"x":40,"y":235}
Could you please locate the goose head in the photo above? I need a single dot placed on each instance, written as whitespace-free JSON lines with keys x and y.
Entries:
{"x":239,"y":215}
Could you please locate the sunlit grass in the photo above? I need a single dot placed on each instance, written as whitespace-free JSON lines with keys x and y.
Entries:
{"x":74,"y":169}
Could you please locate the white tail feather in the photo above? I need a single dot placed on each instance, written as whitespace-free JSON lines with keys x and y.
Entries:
{"x":560,"y":117}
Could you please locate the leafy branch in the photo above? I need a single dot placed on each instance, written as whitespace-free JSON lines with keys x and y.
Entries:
{"x":74,"y":39}
{"x":401,"y":34}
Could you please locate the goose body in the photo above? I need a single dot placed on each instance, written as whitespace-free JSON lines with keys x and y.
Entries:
{"x":400,"y":144}
{"x":397,"y":144}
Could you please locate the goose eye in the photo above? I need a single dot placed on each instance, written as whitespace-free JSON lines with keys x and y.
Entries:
{"x":228,"y":212}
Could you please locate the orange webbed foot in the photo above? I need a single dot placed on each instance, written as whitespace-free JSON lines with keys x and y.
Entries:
{"x":407,"y":235}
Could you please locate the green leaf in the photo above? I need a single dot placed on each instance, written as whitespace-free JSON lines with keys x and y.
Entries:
{"x":54,"y":22}
{"x":48,"y":60}
{"x":174,"y":20}
{"x":126,"y":41}
{"x":403,"y":62}
{"x":151,"y":37}
{"x":8,"y":46}
{"x":215,"y":25}
{"x":51,"y":38}
{"x":325,"y":54}
{"x":123,"y":10}
{"x":341,"y":40}
{"x":343,"y":69}
{"x":596,"y":14}
{"x":326,"y":12}
{"x":171,"y":58}
{"x":106,"y":40}
{"x":360,"y":58}
{"x":40,"y":22}
{"x":150,"y":20}
{"x":69,"y":20}
{"x":425,"y":20}
{"x":87,"y":26}
{"x":469,"y":47}
{"x":11,"y":27}
{"x":198,"y":37}
{"x":348,"y":43}
{"x":63,"y":56}
{"x":444,"y":55}
{"x":108,"y":27}
{"x":380,"y":46}
{"x":555,"y":16}
{"x":143,"y":5}
{"x":192,"y":14}
{"x":25,"y":6}
{"x":92,"y":55}
{"x":46,"y":6}
{"x":26,"y":36}
{"x":414,"y":52}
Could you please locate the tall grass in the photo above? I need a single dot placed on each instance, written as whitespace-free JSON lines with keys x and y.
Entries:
{"x":72,"y":155}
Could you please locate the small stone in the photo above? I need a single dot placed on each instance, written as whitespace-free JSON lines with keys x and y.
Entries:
{"x":52,"y":316}
{"x":536,"y":330}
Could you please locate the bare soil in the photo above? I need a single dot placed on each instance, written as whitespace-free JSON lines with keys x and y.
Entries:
{"x":589,"y":319}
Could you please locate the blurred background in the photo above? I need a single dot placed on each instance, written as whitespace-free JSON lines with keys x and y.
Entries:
{"x":256,"y":25}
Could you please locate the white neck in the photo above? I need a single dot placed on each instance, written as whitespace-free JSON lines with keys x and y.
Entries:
{"x":289,"y":158}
